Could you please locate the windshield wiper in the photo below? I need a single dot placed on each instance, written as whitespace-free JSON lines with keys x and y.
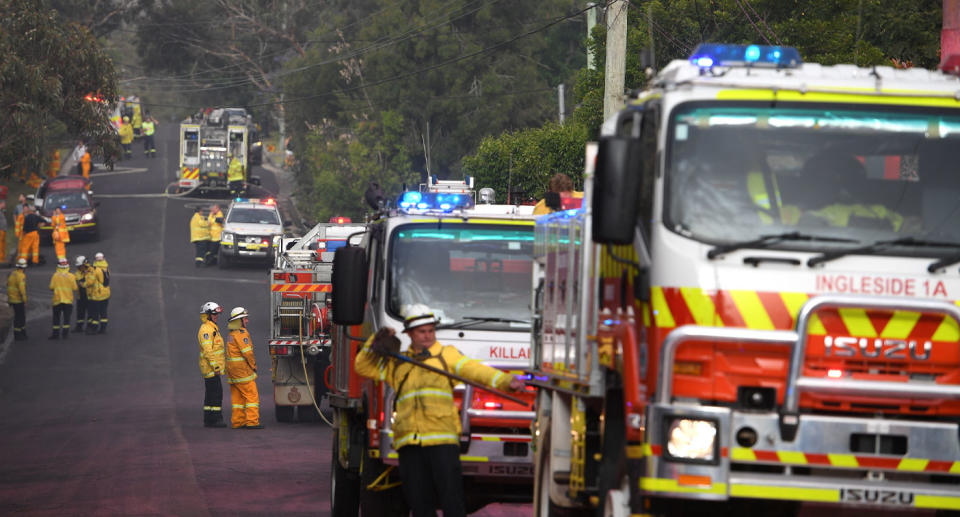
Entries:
{"x":765,"y":241}
{"x":871,"y":249}
{"x":469,"y":321}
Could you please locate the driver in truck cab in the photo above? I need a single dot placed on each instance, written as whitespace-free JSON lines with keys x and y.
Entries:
{"x":426,"y":431}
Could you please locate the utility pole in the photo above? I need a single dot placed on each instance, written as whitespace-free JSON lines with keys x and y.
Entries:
{"x":283,"y":132}
{"x":560,"y":98}
{"x":616,"y":67}
{"x":592,"y":9}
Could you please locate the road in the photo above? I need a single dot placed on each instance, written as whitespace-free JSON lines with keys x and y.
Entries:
{"x":112,"y":424}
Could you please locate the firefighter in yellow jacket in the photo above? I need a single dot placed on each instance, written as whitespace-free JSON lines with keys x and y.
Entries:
{"x":235,"y":176}
{"x":215,"y":221}
{"x":17,"y":299}
{"x":93,"y":283}
{"x":200,"y":237}
{"x":102,"y":298}
{"x":63,"y":284}
{"x":59,"y":233}
{"x":426,"y":432}
{"x":211,"y":364}
{"x":242,"y":373}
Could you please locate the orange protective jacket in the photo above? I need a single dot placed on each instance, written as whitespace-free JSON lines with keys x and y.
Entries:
{"x":59,"y":224}
{"x":241,"y":365}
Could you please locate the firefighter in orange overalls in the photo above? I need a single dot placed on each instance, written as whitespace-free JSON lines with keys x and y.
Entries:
{"x":242,"y":373}
{"x":59,"y":233}
{"x":85,"y":164}
{"x":26,"y":228}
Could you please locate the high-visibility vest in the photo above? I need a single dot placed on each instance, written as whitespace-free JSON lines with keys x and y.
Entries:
{"x":59,"y":224}
{"x":235,"y":172}
{"x":147,"y":127}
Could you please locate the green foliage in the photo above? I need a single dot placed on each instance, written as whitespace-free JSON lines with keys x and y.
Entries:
{"x":338,"y":166}
{"x":47,"y":66}
{"x":522,"y":162}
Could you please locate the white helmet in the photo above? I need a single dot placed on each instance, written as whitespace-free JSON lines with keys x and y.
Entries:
{"x":211,"y":308}
{"x":416,"y":315}
{"x":63,"y":263}
{"x":238,"y":312}
{"x":98,"y":256}
{"x":22,"y":263}
{"x":79,"y":260}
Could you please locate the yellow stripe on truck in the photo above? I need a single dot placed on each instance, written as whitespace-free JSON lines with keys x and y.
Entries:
{"x":823,"y":495}
{"x":940,"y":502}
{"x":852,"y":98}
{"x":671,"y":485}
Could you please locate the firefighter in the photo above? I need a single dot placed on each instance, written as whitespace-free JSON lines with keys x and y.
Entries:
{"x":126,"y":137}
{"x":80,"y":262}
{"x":27,"y":225}
{"x":17,"y":299}
{"x":54,"y":166}
{"x":211,"y":364}
{"x":426,"y":431}
{"x":235,"y":176}
{"x":3,"y":231}
{"x":215,"y":220}
{"x":148,"y":127}
{"x":59,"y":233}
{"x":100,"y":263}
{"x":93,"y":283}
{"x":63,"y":284}
{"x":242,"y":373}
{"x":562,"y":186}
{"x":85,"y":164}
{"x":200,"y":237}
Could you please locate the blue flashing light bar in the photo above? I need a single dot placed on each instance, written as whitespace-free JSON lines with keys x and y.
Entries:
{"x":434,"y":201}
{"x":708,"y":55}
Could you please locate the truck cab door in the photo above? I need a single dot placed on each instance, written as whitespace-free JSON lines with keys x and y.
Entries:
{"x":238,"y":144}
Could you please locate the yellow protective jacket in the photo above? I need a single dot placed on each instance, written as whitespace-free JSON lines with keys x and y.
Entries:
{"x":211,"y":348}
{"x":199,"y":228}
{"x":126,"y":133}
{"x":235,"y":172}
{"x":148,"y":128}
{"x":79,"y":276}
{"x":541,"y":207}
{"x":17,"y":287}
{"x":59,"y":232}
{"x":426,"y":413}
{"x":104,"y":289}
{"x":63,"y":284}
{"x":93,"y":283}
{"x":215,"y":228}
{"x":241,"y":365}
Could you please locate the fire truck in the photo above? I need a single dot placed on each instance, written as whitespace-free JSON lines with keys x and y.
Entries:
{"x":299,"y":340}
{"x":207,"y":146}
{"x":470,"y":263}
{"x":757,"y":306}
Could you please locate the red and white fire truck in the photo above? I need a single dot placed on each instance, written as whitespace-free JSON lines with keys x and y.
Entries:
{"x":470,"y":263}
{"x":758,"y":305}
{"x":299,"y":340}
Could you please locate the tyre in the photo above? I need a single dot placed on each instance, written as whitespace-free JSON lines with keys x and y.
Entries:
{"x":283,"y":413}
{"x":380,"y":503}
{"x":344,"y":485}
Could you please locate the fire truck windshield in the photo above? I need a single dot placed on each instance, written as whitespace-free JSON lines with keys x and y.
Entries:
{"x":852,"y":174}
{"x":462,"y":271}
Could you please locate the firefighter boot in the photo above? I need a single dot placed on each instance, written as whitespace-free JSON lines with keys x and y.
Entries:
{"x":92,"y":328}
{"x":64,"y":332}
{"x":55,"y":334}
{"x":19,"y":335}
{"x":213,"y":419}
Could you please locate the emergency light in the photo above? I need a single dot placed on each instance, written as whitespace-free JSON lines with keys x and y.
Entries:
{"x":443,"y":201}
{"x":708,"y":55}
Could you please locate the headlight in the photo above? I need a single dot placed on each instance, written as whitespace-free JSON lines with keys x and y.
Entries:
{"x":87,"y":216}
{"x":692,"y":439}
{"x":227,"y":237}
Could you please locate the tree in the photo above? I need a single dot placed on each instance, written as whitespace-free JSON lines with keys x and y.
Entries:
{"x":100,"y":17}
{"x":47,"y":67}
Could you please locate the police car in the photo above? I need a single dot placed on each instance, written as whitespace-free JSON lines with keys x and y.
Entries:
{"x":251,"y":232}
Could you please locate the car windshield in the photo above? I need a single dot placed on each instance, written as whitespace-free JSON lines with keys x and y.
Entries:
{"x":736,"y":172}
{"x":253,"y":216}
{"x":66,"y":200}
{"x":464,"y":272}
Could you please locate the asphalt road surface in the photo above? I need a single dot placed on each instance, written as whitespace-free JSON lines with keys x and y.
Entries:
{"x":112,"y":424}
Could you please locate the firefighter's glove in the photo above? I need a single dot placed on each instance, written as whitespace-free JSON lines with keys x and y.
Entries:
{"x":385,"y":343}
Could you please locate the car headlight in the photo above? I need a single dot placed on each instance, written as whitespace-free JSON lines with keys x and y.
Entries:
{"x":691,"y":439}
{"x":87,"y":216}
{"x":227,"y":237}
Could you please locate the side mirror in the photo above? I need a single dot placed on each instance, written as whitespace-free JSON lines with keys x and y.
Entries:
{"x":349,"y":285}
{"x":616,"y":187}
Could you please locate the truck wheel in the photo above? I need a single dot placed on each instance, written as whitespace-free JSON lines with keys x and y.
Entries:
{"x":385,"y":503}
{"x":344,"y":486}
{"x":283,"y":413}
